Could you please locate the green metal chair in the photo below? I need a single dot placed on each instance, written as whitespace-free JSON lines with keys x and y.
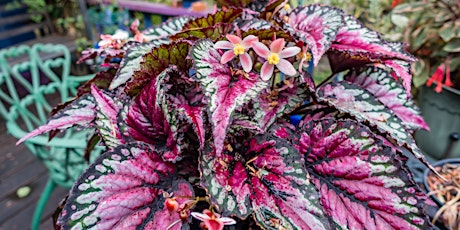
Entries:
{"x":26,"y":89}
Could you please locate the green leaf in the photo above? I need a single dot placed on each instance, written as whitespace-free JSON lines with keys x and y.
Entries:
{"x":446,"y":32}
{"x":452,"y":46}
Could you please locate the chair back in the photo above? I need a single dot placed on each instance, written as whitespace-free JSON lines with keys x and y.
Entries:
{"x":33,"y":80}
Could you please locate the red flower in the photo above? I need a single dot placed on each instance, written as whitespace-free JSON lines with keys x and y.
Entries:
{"x":395,"y":3}
{"x":438,"y":77}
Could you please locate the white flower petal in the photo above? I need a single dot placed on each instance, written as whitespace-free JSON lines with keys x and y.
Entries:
{"x":200,"y":216}
{"x":286,"y":67}
{"x":277,"y":45}
{"x":225,"y":45}
{"x":261,"y":49}
{"x":227,"y":220}
{"x":248,"y":40}
{"x":289,"y":52}
{"x":233,"y":39}
{"x":246,"y":62}
{"x":267,"y":71}
{"x":228,"y":55}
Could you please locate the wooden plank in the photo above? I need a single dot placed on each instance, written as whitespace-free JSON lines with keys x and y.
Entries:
{"x":21,"y":177}
{"x":14,"y":19}
{"x":22,"y":30}
{"x":22,"y":218}
{"x":12,"y":204}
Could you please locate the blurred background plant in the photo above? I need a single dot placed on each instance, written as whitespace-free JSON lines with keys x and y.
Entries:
{"x":432,"y":30}
{"x":65,"y":15}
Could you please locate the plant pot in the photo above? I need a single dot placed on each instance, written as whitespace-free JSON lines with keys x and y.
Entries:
{"x":437,"y":165}
{"x":441,"y":111}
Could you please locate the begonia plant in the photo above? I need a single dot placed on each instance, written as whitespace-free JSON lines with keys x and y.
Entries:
{"x":216,"y":122}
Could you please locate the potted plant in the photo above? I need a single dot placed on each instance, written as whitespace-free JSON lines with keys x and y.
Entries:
{"x":196,"y":119}
{"x":434,"y":38}
{"x":446,"y":193}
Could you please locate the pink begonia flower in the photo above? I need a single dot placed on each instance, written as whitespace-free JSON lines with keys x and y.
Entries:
{"x":275,"y":57}
{"x":213,"y":221}
{"x":115,"y":41}
{"x":237,"y":46}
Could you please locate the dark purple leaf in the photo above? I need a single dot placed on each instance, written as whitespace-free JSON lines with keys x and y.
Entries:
{"x":124,"y":189}
{"x":212,"y":32}
{"x":235,"y":3}
{"x":81,"y":112}
{"x":158,"y":60}
{"x":223,"y":16}
{"x":131,"y":61}
{"x":317,"y":25}
{"x":182,"y":103}
{"x":146,"y":122}
{"x":389,"y":92}
{"x":102,"y":80}
{"x":362,"y":184}
{"x":225,"y":89}
{"x":362,"y":105}
{"x":262,"y":175}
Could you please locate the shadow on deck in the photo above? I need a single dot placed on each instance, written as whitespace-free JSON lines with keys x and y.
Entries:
{"x":18,"y":168}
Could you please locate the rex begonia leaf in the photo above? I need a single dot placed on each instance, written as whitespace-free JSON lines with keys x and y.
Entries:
{"x":254,"y":23}
{"x":224,"y":16}
{"x":389,"y":92}
{"x":158,"y":60}
{"x":234,"y":3}
{"x":224,"y":89}
{"x":263,"y":175}
{"x":107,"y":106}
{"x":102,"y":80}
{"x":124,"y":189}
{"x":365,"y":107}
{"x":212,"y":32}
{"x":317,"y":25}
{"x":361,"y":45}
{"x":401,"y":69}
{"x":269,"y":34}
{"x":131,"y":61}
{"x":166,"y":29}
{"x":182,"y":103}
{"x":80,"y":112}
{"x":362,"y":183}
{"x":273,"y":104}
{"x":146,"y":122}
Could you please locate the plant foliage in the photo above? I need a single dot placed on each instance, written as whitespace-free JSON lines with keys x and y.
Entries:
{"x":198,"y":124}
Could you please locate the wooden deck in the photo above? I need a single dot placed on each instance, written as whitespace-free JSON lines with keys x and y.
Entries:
{"x":18,"y":167}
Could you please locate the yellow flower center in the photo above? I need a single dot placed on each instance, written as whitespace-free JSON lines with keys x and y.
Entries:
{"x":287,"y":7}
{"x":273,"y":59}
{"x":238,"y":49}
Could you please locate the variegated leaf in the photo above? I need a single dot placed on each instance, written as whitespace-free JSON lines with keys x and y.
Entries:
{"x":401,"y":69}
{"x":158,"y":60}
{"x":362,"y":105}
{"x":131,"y":61}
{"x":183,"y":104}
{"x":124,"y":189}
{"x":146,"y":122}
{"x":273,"y":104}
{"x":234,"y":3}
{"x":263,"y":175}
{"x":362,"y":184}
{"x":102,"y":80}
{"x":224,"y":89}
{"x":223,"y":16}
{"x":107,"y":106}
{"x":389,"y":92}
{"x":166,"y":29}
{"x":212,"y":32}
{"x":80,"y":112}
{"x":363,"y":45}
{"x":317,"y":25}
{"x":255,"y":23}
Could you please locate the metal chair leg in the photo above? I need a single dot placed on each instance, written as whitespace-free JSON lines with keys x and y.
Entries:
{"x":49,"y":187}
